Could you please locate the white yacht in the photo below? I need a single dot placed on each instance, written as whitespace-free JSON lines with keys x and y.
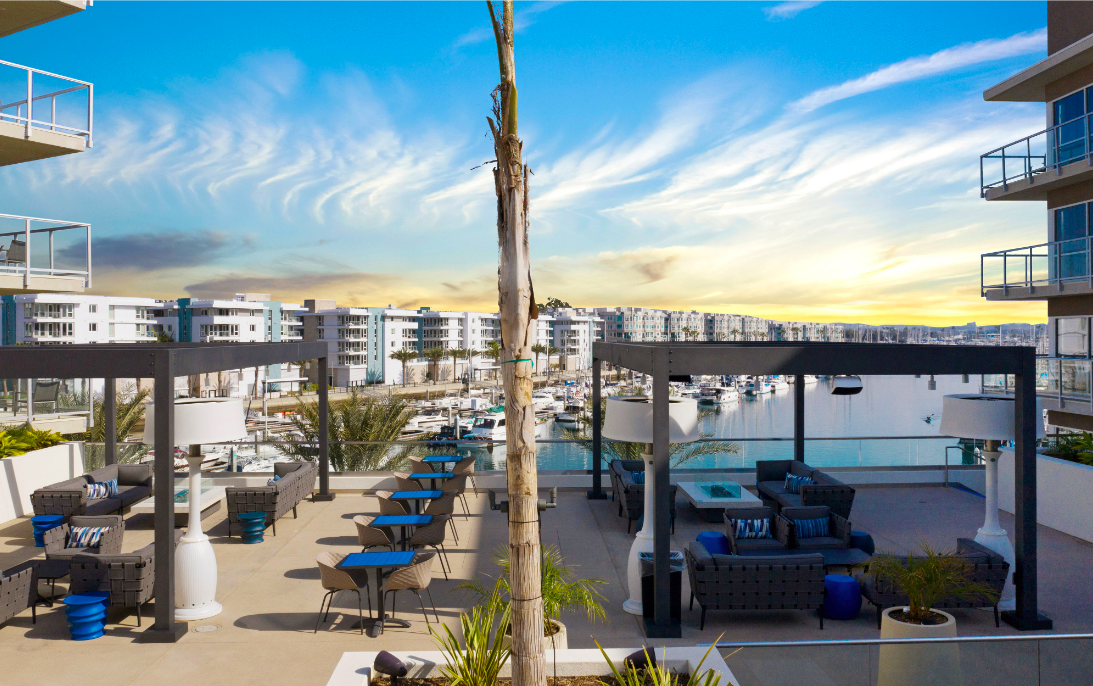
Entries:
{"x":490,"y":427}
{"x":718,"y":395}
{"x":545,"y":401}
{"x":778,"y":383}
{"x":757,"y":385}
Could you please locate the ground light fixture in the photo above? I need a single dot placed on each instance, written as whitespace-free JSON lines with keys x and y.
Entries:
{"x":846,"y":385}
{"x":988,"y":418}
{"x":630,"y":419}
{"x":198,"y":421}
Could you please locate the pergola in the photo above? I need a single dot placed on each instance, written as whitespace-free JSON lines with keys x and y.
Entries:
{"x":164,"y":362}
{"x":671,"y":361}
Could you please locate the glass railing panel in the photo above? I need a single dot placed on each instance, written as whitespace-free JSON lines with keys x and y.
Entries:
{"x":1047,"y":375}
{"x":1065,"y":661}
{"x":843,"y":665}
{"x":1074,"y":377}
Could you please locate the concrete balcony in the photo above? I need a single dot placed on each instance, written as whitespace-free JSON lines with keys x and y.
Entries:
{"x":43,"y":256}
{"x":1030,"y":167}
{"x":42,"y":115}
{"x":19,"y":15}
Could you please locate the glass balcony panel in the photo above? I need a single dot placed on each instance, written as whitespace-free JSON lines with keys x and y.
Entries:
{"x":1075,"y":378}
{"x":1047,"y":376}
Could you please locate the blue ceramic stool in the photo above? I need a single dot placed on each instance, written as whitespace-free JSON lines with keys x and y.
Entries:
{"x":86,"y":613}
{"x":42,"y":524}
{"x":862,"y":541}
{"x":254,"y":525}
{"x":843,"y":598}
{"x":715,"y":543}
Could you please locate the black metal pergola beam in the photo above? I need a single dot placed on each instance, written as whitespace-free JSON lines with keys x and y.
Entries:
{"x":663,"y":360}
{"x":164,"y":362}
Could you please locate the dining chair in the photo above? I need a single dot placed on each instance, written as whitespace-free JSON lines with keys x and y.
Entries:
{"x":369,"y":536}
{"x":334,"y":580}
{"x":405,"y":483}
{"x":466,"y":466}
{"x":392,"y":507}
{"x":458,"y":485}
{"x":415,"y":578}
{"x":432,"y":536}
{"x":444,"y":505}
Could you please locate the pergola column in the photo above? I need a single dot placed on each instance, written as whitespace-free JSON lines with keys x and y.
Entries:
{"x":597,"y":440}
{"x":799,"y":417}
{"x":110,"y":417}
{"x":324,"y":493}
{"x":662,"y":625}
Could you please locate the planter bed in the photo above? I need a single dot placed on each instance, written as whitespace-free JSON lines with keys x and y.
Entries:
{"x":587,"y":665}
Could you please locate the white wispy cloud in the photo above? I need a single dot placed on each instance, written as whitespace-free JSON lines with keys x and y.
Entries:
{"x":523,"y":18}
{"x":916,"y":68}
{"x":788,"y":10}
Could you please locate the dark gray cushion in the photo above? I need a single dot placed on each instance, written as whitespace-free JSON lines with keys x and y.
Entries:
{"x":102,"y":506}
{"x":772,"y":489}
{"x":800,"y":469}
{"x":132,"y":494}
{"x":809,"y":512}
{"x":763,"y":512}
{"x":804,"y":558}
{"x":135,"y":474}
{"x":818,"y":542}
{"x":788,"y":500}
{"x":750,"y":545}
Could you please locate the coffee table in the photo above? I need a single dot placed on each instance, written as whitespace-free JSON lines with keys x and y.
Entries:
{"x":840,"y":557}
{"x":713,"y":496}
{"x":211,"y":496}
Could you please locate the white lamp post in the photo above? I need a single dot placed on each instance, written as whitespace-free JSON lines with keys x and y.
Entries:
{"x":198,"y":421}
{"x":988,"y":418}
{"x":630,"y":419}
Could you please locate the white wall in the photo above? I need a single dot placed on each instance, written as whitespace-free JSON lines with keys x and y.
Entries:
{"x":23,"y":474}
{"x":1062,"y":493}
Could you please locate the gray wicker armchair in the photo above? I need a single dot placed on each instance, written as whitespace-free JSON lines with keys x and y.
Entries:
{"x":19,"y":591}
{"x":763,"y":582}
{"x":987,"y":567}
{"x":128,"y":577}
{"x":630,"y":495}
{"x":297,"y":482}
{"x":777,"y":544}
{"x":70,"y":497}
{"x":56,"y":539}
{"x":838,"y":527}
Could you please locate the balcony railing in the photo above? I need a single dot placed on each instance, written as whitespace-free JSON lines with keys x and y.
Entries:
{"x":1043,"y":264}
{"x":1060,"y":378}
{"x":45,"y":111}
{"x":45,"y":247}
{"x":1032,"y":156}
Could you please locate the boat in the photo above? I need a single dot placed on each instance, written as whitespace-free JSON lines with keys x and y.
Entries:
{"x":846,"y":385}
{"x":757,"y":385}
{"x":545,"y":401}
{"x":567,"y":418}
{"x":778,"y":383}
{"x":718,"y":395}
{"x":490,"y":428}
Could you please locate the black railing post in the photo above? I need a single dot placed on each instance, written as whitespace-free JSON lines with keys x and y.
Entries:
{"x":597,"y":439}
{"x":324,"y":493}
{"x":110,"y":417}
{"x":799,"y":418}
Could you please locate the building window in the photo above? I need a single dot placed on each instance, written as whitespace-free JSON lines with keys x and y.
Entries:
{"x":1072,"y":336}
{"x":252,"y":327}
{"x":93,"y":327}
{"x":92,"y":308}
{"x":1067,"y":115}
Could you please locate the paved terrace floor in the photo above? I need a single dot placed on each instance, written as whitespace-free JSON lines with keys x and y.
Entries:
{"x":271,"y":592}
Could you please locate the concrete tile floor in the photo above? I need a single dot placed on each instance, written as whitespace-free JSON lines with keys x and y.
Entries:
{"x":271,"y":592}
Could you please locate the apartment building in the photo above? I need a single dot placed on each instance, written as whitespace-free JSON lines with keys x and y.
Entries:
{"x":361,"y":340}
{"x":1053,"y":166}
{"x":572,"y":332}
{"x":55,"y":318}
{"x":42,"y":115}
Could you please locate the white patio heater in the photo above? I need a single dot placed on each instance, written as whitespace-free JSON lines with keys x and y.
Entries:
{"x":630,"y":419}
{"x":198,"y":421}
{"x":988,"y":418}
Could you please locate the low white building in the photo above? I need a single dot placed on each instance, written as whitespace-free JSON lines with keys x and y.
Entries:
{"x":361,"y":340}
{"x":58,"y":319}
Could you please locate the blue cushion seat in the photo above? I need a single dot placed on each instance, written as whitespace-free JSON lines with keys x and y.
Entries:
{"x":716,"y":543}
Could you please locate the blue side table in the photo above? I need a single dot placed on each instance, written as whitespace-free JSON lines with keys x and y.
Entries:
{"x":254,"y":526}
{"x":42,"y":524}
{"x":86,"y":613}
{"x":862,"y":541}
{"x":843,"y":598}
{"x":714,"y":542}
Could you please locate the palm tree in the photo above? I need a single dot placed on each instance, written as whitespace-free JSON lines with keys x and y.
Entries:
{"x":735,"y":333}
{"x":551,"y":351}
{"x":357,"y":418}
{"x":404,"y":356}
{"x":540,"y":349}
{"x":455,"y":354}
{"x":796,"y":330}
{"x":493,"y":351}
{"x":469,"y":354}
{"x":761,"y":336}
{"x":129,"y":411}
{"x":434,"y":356}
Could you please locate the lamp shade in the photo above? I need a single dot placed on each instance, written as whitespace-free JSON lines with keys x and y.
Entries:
{"x":201,"y":420}
{"x":630,"y":418}
{"x":985,"y":417}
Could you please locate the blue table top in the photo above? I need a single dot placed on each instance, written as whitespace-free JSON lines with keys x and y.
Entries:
{"x":89,"y":598}
{"x":442,"y":458}
{"x":402,"y":520}
{"x":395,"y":559}
{"x":432,"y":475}
{"x":415,"y":495}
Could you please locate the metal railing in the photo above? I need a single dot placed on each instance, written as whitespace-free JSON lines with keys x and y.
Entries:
{"x":21,"y":254}
{"x":1060,"y":378}
{"x":26,"y":111}
{"x":1044,"y":264}
{"x":1035,"y":155}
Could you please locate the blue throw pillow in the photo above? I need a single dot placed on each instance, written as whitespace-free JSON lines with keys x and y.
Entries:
{"x":638,"y":477}
{"x":812,"y":528}
{"x":85,"y":536}
{"x":111,"y":487}
{"x":274,"y":480}
{"x":794,"y":483}
{"x":751,"y":528}
{"x":96,"y":491}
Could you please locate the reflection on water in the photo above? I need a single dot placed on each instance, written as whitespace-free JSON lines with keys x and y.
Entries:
{"x":887,"y":406}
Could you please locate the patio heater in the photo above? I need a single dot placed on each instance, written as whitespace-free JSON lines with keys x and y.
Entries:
{"x":988,"y":418}
{"x":198,"y":421}
{"x":630,"y":419}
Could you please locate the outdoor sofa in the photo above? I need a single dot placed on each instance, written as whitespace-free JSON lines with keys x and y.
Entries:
{"x":987,"y":567}
{"x":128,"y":577}
{"x":18,"y":591}
{"x":630,"y":495}
{"x":791,"y":581}
{"x":69,"y":498}
{"x":770,"y":479}
{"x":785,"y":538}
{"x":56,"y":539}
{"x":296,"y":483}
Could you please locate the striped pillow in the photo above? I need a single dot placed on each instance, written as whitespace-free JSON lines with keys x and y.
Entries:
{"x":85,"y":536}
{"x":638,"y":477}
{"x":794,"y":483}
{"x":812,"y":528}
{"x":751,"y":528}
{"x":96,"y":491}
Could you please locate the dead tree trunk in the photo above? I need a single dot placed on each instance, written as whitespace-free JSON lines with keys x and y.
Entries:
{"x":516,"y":301}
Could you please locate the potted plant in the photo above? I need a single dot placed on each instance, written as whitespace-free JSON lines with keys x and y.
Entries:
{"x":560,"y":592}
{"x":925,"y":579}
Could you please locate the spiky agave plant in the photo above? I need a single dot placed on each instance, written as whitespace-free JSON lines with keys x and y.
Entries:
{"x":485,"y":653}
{"x":654,"y":673}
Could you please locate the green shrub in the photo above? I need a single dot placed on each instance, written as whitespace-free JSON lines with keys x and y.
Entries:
{"x":485,"y":652}
{"x":25,"y":438}
{"x":658,"y":674}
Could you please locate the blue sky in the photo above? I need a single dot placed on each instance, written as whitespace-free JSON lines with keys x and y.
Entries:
{"x":792,"y":160}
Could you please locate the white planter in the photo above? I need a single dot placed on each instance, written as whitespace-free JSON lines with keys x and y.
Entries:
{"x":557,"y":641}
{"x":23,"y":474}
{"x":1062,"y":493}
{"x":355,"y":669}
{"x":914,"y":664}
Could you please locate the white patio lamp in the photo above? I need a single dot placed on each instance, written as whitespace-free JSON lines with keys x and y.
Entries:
{"x":630,"y":419}
{"x":198,"y":421}
{"x":988,"y":418}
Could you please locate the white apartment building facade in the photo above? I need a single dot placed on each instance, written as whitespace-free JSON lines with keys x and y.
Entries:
{"x":361,"y":340}
{"x":59,"y":319}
